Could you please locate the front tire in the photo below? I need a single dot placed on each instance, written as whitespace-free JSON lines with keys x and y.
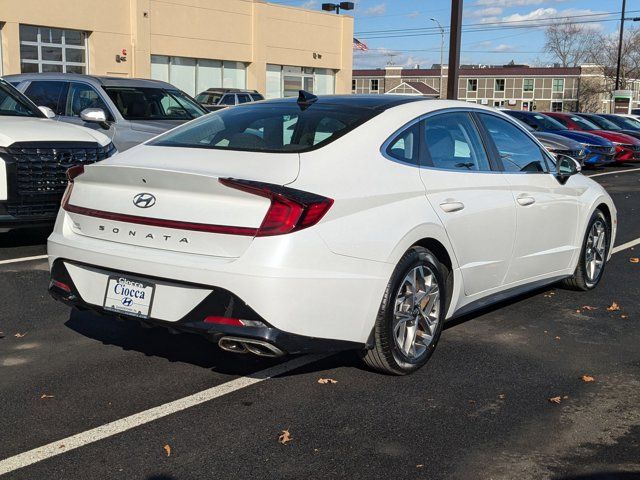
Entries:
{"x":593,"y":256}
{"x":411,"y":315}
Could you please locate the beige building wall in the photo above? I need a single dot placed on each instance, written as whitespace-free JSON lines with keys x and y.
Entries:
{"x":254,"y":32}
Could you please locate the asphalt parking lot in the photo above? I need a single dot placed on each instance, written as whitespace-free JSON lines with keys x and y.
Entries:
{"x":79,"y":394}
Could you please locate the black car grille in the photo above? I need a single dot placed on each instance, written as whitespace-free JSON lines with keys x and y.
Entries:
{"x":37,"y":173}
{"x":602,"y":149}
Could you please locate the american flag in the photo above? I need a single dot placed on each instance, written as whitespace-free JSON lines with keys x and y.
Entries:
{"x":358,"y":45}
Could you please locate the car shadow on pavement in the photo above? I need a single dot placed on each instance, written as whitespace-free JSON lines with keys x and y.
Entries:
{"x":184,"y":347}
{"x":603,"y":476}
{"x":24,"y":237}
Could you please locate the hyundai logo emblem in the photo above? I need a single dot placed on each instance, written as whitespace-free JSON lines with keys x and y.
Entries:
{"x":144,"y":200}
{"x":127,"y":302}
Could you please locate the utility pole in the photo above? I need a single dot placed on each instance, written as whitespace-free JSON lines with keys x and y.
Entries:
{"x":455,"y":33}
{"x":441,"y":54}
{"x":624,"y":5}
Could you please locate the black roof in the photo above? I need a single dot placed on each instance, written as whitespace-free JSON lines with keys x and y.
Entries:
{"x":376,"y":102}
{"x":228,"y":90}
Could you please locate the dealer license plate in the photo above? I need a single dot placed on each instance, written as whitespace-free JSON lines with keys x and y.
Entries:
{"x":129,"y":296}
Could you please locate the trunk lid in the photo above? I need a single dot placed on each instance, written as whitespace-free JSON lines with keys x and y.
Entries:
{"x":180,"y":190}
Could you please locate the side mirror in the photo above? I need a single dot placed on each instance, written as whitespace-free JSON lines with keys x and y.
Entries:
{"x":567,"y":166}
{"x":47,"y":112}
{"x":95,"y":115}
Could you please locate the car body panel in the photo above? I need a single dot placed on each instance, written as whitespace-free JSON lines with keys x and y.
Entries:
{"x":327,"y":281}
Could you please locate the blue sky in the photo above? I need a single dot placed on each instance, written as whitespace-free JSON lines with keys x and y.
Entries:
{"x":491,"y":43}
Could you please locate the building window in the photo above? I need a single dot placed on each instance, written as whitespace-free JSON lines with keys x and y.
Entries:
{"x":527,"y":85}
{"x":499,"y":103}
{"x":472,"y":85}
{"x":558,"y":85}
{"x":556,"y":106}
{"x":44,"y":49}
{"x":287,"y":81}
{"x":499,"y":85}
{"x":353,"y":85}
{"x":195,"y":75}
{"x":373,"y":85}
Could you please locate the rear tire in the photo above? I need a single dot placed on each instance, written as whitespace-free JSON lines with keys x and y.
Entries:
{"x":411,"y":315}
{"x":593,"y":255}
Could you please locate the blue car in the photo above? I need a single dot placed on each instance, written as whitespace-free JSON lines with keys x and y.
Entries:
{"x":599,"y":151}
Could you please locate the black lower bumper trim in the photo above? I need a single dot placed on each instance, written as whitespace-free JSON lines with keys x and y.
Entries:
{"x":220,"y":302}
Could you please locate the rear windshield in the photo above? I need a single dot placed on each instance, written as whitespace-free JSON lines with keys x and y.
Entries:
{"x":138,"y":103}
{"x":268,"y":127}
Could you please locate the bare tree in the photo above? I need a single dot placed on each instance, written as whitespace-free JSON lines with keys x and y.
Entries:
{"x":604,"y":51}
{"x":570,"y":44}
{"x":591,"y":92}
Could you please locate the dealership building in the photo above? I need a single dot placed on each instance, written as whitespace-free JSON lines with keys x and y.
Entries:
{"x":193,"y":44}
{"x":519,"y":87}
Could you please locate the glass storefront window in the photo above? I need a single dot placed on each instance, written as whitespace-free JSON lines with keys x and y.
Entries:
{"x":287,"y":81}
{"x":195,"y":75}
{"x":44,"y":49}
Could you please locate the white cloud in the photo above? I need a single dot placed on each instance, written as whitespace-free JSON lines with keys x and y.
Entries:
{"x":486,"y":12}
{"x":309,"y":4}
{"x":503,"y":47}
{"x":379,"y":9}
{"x":414,"y":15}
{"x":537,"y":14}
{"x":510,"y":3}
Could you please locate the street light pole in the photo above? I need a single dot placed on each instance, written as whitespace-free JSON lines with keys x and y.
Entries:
{"x":624,"y":4}
{"x":441,"y":53}
{"x":455,"y":33}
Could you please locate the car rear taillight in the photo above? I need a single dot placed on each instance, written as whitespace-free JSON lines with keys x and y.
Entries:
{"x":61,"y":285}
{"x":290,"y":210}
{"x":72,"y":174}
{"x":234,"y":322}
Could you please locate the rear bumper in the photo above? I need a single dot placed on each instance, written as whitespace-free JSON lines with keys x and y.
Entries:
{"x":219,"y":302}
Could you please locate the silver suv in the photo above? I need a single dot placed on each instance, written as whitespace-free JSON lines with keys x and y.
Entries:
{"x":128,"y":110}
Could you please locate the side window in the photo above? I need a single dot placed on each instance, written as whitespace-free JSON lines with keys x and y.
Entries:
{"x":243,"y":98}
{"x":404,"y":146}
{"x":47,"y":94}
{"x":228,"y":100}
{"x":83,"y":96}
{"x":256,"y":97}
{"x":453,"y":143}
{"x":518,"y":152}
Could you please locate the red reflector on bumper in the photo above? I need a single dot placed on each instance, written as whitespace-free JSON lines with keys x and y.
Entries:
{"x":61,"y":286}
{"x":236,"y":322}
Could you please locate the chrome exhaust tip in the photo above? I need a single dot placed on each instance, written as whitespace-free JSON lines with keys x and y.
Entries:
{"x":243,"y":345}
{"x":230,"y":344}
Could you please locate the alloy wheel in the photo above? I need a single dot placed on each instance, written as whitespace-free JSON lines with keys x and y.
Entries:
{"x":595,"y":250}
{"x":416,"y":312}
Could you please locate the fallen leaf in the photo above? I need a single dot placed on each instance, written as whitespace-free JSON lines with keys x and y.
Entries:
{"x":623,"y":316}
{"x":587,"y":378}
{"x":578,"y":311}
{"x":167,"y":450}
{"x":61,"y":446}
{"x":565,"y":397}
{"x":471,"y":402}
{"x":419,"y":465}
{"x":557,"y":399}
{"x":44,"y":395}
{"x":285,"y":437}
{"x":546,"y":331}
{"x":588,"y":307}
{"x":324,"y":381}
{"x":614,"y":307}
{"x":634,"y":260}
{"x":502,"y":396}
{"x":20,"y":335}
{"x":557,"y":338}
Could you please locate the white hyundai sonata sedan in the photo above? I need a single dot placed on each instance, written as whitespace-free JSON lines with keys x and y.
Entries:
{"x":328,"y":223}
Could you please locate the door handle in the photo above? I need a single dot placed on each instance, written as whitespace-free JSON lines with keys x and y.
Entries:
{"x":451,"y":206}
{"x":525,"y":200}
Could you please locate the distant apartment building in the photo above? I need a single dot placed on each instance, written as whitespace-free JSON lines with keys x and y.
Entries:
{"x":193,"y":44}
{"x":518,"y":87}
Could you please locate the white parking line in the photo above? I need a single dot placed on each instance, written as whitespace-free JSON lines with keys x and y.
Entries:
{"x":625,"y":246}
{"x":615,"y":172}
{"x":22,"y":259}
{"x":118,"y":426}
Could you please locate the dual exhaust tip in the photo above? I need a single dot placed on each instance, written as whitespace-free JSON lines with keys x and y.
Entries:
{"x":248,"y":345}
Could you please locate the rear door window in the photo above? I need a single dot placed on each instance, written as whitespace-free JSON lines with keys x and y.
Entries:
{"x":243,"y":98}
{"x":48,"y":94}
{"x":228,"y":100}
{"x":404,"y":146}
{"x":452,"y":142}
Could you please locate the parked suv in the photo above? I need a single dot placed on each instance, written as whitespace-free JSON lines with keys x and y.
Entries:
{"x":35,"y":153}
{"x":217,"y":98}
{"x":128,"y":110}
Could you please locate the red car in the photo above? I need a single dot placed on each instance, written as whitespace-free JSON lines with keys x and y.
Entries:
{"x":627,"y":147}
